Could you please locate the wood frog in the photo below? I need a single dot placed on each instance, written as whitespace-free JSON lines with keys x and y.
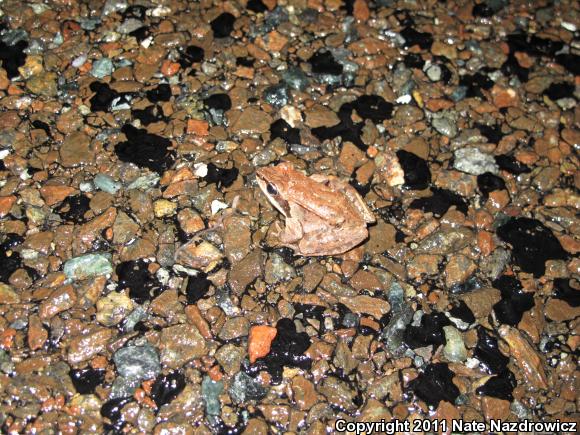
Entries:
{"x":324,"y":215}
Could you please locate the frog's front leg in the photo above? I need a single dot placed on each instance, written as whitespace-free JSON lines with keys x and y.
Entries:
{"x":291,"y":233}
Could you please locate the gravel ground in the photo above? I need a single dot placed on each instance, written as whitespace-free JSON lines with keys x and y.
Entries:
{"x":130,"y":127}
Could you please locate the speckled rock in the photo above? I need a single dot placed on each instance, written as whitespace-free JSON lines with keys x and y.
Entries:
{"x":84,"y":347}
{"x":446,"y":241}
{"x":180,"y":344}
{"x":76,"y":150}
{"x":525,"y":357}
{"x":198,"y":256}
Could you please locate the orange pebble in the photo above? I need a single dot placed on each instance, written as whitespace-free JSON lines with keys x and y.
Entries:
{"x":37,"y":105}
{"x":198,"y":127}
{"x":14,"y":89}
{"x":433,"y":297}
{"x":146,"y":385}
{"x":169,"y":68}
{"x":139,"y":395}
{"x":260,"y":340}
{"x":485,"y":242}
{"x":99,"y":362}
{"x":372,"y":152}
{"x":7,"y":338}
{"x":142,"y":398}
{"x":361,"y":10}
{"x":85,"y":67}
{"x":6,"y":203}
{"x":109,"y":233}
{"x":215,"y":373}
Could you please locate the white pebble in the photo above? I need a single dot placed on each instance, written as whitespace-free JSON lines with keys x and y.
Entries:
{"x":217,"y":205}
{"x":159,"y":11}
{"x":569,"y":26}
{"x":404,"y":99}
{"x":79,"y":61}
{"x":200,"y":170}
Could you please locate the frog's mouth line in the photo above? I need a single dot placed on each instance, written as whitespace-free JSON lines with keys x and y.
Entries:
{"x":281,"y":205}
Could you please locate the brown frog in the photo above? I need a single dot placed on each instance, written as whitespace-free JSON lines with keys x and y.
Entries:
{"x":324,"y":215}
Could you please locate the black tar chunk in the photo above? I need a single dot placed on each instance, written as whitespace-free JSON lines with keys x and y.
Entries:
{"x":435,"y":384}
{"x":533,"y":244}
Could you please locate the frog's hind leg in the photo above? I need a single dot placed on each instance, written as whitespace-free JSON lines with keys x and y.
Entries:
{"x":332,"y":241}
{"x":338,"y":185}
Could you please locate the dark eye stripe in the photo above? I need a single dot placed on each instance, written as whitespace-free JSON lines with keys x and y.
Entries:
{"x":285,"y":206}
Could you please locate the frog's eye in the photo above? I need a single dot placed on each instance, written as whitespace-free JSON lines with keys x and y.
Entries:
{"x":271,"y":189}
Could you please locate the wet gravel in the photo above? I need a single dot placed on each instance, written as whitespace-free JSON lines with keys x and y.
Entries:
{"x":140,"y":287}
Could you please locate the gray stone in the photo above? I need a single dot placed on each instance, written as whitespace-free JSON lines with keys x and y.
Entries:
{"x":123,"y":387}
{"x":350,"y":320}
{"x":210,"y":392}
{"x":446,"y":241}
{"x":138,"y":314}
{"x":473,"y":161}
{"x":493,"y":265}
{"x":296,"y":79}
{"x":454,"y":349}
{"x":129,"y":25}
{"x":230,"y":358}
{"x":445,"y":125}
{"x":145,"y":182}
{"x":278,"y":270}
{"x":102,"y":68}
{"x":459,"y":93}
{"x":87,"y":266}
{"x":277,"y":95}
{"x":137,"y":362}
{"x":245,"y":388}
{"x":114,"y":6}
{"x":402,"y":314}
{"x":434,"y":73}
{"x":107,"y":184}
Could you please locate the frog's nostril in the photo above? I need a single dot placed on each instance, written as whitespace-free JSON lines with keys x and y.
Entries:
{"x":271,"y":189}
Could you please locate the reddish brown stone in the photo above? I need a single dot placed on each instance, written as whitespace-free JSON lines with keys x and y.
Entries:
{"x":6,"y":203}
{"x":196,"y":318}
{"x":259,"y":341}
{"x":169,"y":68}
{"x":59,"y":300}
{"x":197,"y":127}
{"x":504,"y":97}
{"x":495,"y":409}
{"x":525,"y":357}
{"x":54,"y":194}
{"x":37,"y":335}
{"x":361,"y":10}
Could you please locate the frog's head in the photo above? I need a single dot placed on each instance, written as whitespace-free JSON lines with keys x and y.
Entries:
{"x":273,"y":180}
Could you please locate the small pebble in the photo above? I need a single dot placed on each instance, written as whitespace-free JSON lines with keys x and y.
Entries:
{"x":107,"y":184}
{"x":473,"y":161}
{"x":87,"y":266}
{"x":102,"y":68}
